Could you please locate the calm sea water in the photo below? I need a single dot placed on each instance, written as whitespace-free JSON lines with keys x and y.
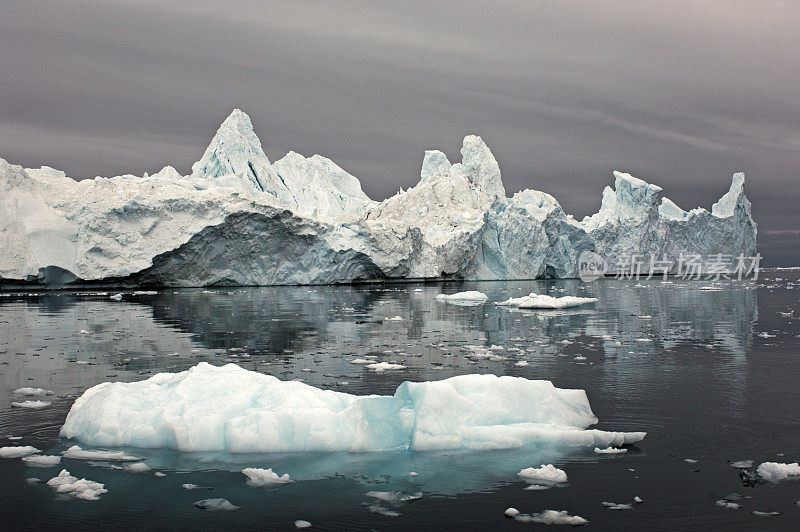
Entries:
{"x":711,"y":370}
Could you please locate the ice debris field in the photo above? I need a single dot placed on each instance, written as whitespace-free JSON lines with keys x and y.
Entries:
{"x":304,"y":220}
{"x":227,"y":408}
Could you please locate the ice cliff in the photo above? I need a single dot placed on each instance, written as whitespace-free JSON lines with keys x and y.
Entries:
{"x":240,"y":219}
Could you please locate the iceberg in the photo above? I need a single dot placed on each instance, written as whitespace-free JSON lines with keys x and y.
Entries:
{"x":87,"y":490}
{"x":240,"y":219}
{"x":545,"y":302}
{"x":227,"y":408}
{"x":776,"y":471}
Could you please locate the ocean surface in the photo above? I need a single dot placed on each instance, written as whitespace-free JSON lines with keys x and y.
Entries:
{"x":709,"y":369}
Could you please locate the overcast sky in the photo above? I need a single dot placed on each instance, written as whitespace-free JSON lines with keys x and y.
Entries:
{"x":681,"y":94}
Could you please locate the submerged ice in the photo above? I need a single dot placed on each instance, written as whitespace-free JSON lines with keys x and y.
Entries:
{"x":208,"y":408}
{"x":241,"y":219}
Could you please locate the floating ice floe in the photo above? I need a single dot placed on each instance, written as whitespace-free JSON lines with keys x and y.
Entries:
{"x":77,"y":453}
{"x":468,"y":298}
{"x":550,"y":517}
{"x":41,"y":460}
{"x":545,"y":475}
{"x":227,"y":408}
{"x":537,"y":301}
{"x":18,"y":452}
{"x":301,"y":524}
{"x":394,"y":497}
{"x":137,"y":467}
{"x":383,"y":366}
{"x":776,"y":471}
{"x":216,"y":505}
{"x":32,"y":391}
{"x":262,"y":478}
{"x":87,"y":490}
{"x":617,"y":505}
{"x":610,"y":450}
{"x":742,"y":464}
{"x":33,"y":405}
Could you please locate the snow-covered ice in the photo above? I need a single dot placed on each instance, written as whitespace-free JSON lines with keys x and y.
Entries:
{"x":776,"y":471}
{"x":610,"y":450}
{"x":17,"y":452}
{"x":261,"y":478}
{"x":305,"y":220}
{"x":227,"y":408}
{"x":534,"y":301}
{"x":86,"y":490}
{"x":468,"y":298}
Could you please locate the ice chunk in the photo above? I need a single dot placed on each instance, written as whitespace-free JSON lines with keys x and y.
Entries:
{"x":471,"y":297}
{"x":260,"y":478}
{"x":17,"y":452}
{"x":383,"y":366}
{"x":227,"y":408}
{"x":382,"y":510}
{"x":137,"y":467}
{"x":32,"y":391}
{"x":546,"y":474}
{"x":87,"y":490}
{"x":511,"y":512}
{"x":742,"y":464}
{"x":394,"y":497}
{"x":41,"y":460}
{"x":77,"y":453}
{"x":301,"y":524}
{"x":552,"y":517}
{"x":216,"y":505}
{"x":775,"y":471}
{"x":34,"y":405}
{"x":610,"y":450}
{"x":545,"y":302}
{"x":617,"y":506}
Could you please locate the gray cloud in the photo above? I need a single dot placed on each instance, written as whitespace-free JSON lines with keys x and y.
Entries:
{"x":681,"y":94}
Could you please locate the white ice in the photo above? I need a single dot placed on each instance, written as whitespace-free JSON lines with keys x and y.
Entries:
{"x":552,"y":517}
{"x":468,"y":298}
{"x":87,"y":490}
{"x":610,"y":450}
{"x":33,"y":405}
{"x":77,"y":453}
{"x":216,"y":505}
{"x":776,"y":471}
{"x":227,"y":408}
{"x":534,"y":301}
{"x":32,"y":391}
{"x":17,"y":452}
{"x":546,"y":474}
{"x":261,"y":478}
{"x":41,"y":460}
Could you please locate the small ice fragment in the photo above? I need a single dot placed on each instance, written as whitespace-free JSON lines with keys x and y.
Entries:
{"x":382,"y":510}
{"x":32,"y":391}
{"x":41,"y":460}
{"x":86,"y":490}
{"x":742,"y":464}
{"x":521,"y":363}
{"x":690,"y":460}
{"x":160,"y":474}
{"x":216,"y":505}
{"x":413,"y":474}
{"x":76,"y":453}
{"x":552,"y":517}
{"x":17,"y":452}
{"x":776,"y":471}
{"x":580,"y":357}
{"x":727,"y":504}
{"x":534,"y":301}
{"x":548,"y":474}
{"x":383,"y":366}
{"x":511,"y":512}
{"x":31,"y":481}
{"x":138,"y":467}
{"x":470,"y":297}
{"x":116,"y":297}
{"x":394,"y":497}
{"x":260,"y":478}
{"x":765,"y":514}
{"x":396,"y":318}
{"x":638,"y":500}
{"x":536,"y":487}
{"x":610,"y":450}
{"x":34,"y":405}
{"x":301,"y":524}
{"x":617,"y":506}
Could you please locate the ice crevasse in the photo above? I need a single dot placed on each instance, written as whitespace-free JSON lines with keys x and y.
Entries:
{"x":227,"y":408}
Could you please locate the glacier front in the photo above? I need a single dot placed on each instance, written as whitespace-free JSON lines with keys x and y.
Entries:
{"x":227,"y":408}
{"x":239,"y":219}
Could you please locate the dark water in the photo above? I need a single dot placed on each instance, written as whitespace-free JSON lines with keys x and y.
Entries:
{"x":685,"y":361}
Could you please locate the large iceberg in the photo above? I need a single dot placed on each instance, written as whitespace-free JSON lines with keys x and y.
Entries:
{"x":227,"y":408}
{"x":240,"y":219}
